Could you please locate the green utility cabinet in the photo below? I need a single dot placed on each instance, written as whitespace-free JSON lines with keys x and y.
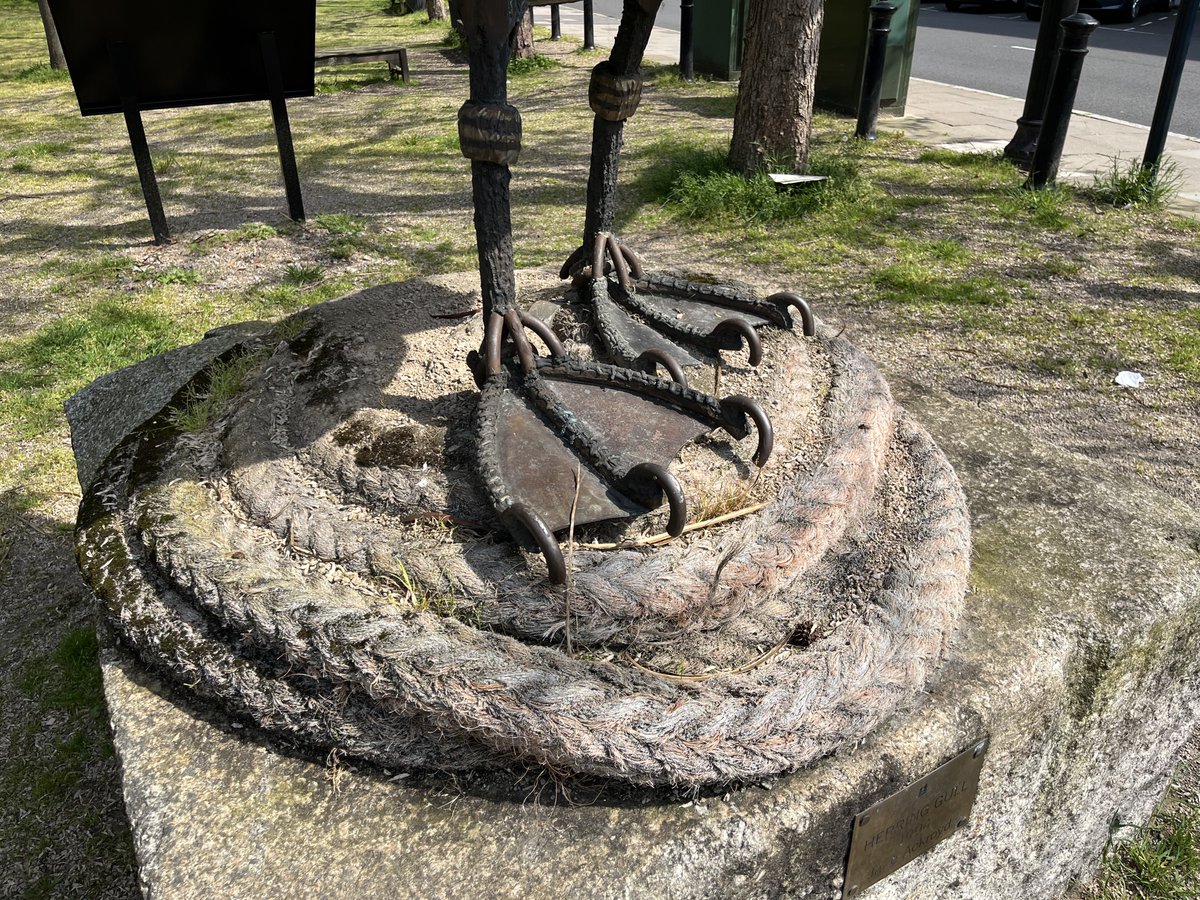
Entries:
{"x":844,"y":55}
{"x":718,"y":28}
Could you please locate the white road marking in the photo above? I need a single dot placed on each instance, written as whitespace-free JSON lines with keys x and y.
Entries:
{"x":1015,"y":47}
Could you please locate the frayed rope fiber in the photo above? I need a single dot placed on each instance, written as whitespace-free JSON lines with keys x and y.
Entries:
{"x":270,"y":566}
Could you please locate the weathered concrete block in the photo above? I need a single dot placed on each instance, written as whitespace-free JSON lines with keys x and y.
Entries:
{"x":114,"y":404}
{"x":1078,"y":655}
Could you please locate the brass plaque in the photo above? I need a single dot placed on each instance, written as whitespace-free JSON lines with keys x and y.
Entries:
{"x":912,"y":821}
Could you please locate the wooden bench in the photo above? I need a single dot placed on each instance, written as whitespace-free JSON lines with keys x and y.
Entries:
{"x":395,"y":57}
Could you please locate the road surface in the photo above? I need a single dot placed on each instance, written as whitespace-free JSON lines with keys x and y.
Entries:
{"x":992,"y":51}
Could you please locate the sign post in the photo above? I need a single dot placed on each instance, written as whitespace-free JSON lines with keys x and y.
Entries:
{"x":127,"y":56}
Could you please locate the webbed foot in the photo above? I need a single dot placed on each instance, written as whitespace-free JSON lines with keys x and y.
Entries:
{"x":643,"y":318}
{"x":563,"y":442}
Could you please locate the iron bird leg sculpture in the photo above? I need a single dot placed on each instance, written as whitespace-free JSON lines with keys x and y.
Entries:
{"x":559,"y":440}
{"x":643,"y":318}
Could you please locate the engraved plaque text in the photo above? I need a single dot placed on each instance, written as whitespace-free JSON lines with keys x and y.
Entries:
{"x":900,"y":828}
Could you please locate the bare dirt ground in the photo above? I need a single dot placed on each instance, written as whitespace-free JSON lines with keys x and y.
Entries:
{"x":934,"y":264}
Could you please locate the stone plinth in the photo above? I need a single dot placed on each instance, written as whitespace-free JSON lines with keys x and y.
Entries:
{"x":1078,"y":654}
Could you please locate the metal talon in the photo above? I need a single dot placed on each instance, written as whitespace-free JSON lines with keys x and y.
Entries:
{"x":648,"y":361}
{"x":625,"y":262}
{"x":516,"y":331}
{"x":533,"y":525}
{"x":746,"y":331}
{"x":749,"y":407}
{"x":542,"y":330}
{"x":634,"y":261}
{"x":492,"y":335}
{"x":572,"y":261}
{"x":784,"y":300}
{"x":668,"y":484}
{"x":618,"y":261}
{"x":598,"y":254}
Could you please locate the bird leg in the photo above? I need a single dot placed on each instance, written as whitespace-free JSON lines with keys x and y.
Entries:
{"x":489,"y":134}
{"x":614,"y":94}
{"x":645,"y":318}
{"x":561,"y":442}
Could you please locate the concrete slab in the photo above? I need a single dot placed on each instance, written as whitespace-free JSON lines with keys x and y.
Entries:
{"x":1079,"y":655}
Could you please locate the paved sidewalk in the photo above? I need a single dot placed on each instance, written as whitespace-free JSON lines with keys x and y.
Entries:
{"x":963,"y":118}
{"x":941,"y":114}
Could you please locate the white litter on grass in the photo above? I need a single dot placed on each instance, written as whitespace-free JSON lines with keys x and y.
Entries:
{"x":1129,"y":379}
{"x":784,"y":180}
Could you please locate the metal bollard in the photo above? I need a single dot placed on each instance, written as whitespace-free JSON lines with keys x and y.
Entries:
{"x":589,"y":26}
{"x":1181,"y":38}
{"x":687,"y":16}
{"x":1076,"y":31}
{"x":872,"y":88}
{"x":1020,"y":148}
{"x":555,"y":23}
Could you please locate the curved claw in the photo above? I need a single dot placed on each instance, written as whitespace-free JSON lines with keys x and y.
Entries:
{"x":621,"y":260}
{"x":652,"y":358}
{"x":784,"y":300}
{"x":573,"y":260}
{"x":542,"y":330}
{"x":746,"y":331}
{"x":485,"y":362}
{"x":634,"y":261}
{"x":493,"y":333}
{"x":516,"y":330}
{"x":620,"y":266}
{"x":598,"y":247}
{"x":738,"y":403}
{"x":670,"y":488}
{"x":532,"y":523}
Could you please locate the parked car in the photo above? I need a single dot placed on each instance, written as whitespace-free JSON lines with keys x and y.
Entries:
{"x":1121,"y":10}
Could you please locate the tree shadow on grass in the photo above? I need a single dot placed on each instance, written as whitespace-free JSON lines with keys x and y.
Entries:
{"x":708,"y":107}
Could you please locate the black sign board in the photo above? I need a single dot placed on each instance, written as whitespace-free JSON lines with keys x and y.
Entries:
{"x":126,"y":56}
{"x":184,"y":53}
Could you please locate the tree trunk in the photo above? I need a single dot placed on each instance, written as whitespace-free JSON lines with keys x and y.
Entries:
{"x":522,"y":44}
{"x":437,"y":10}
{"x":57,"y":60}
{"x":454,"y":7}
{"x":773,"y":120}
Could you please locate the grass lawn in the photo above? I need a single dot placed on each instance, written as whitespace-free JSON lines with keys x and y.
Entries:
{"x":936,"y":262}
